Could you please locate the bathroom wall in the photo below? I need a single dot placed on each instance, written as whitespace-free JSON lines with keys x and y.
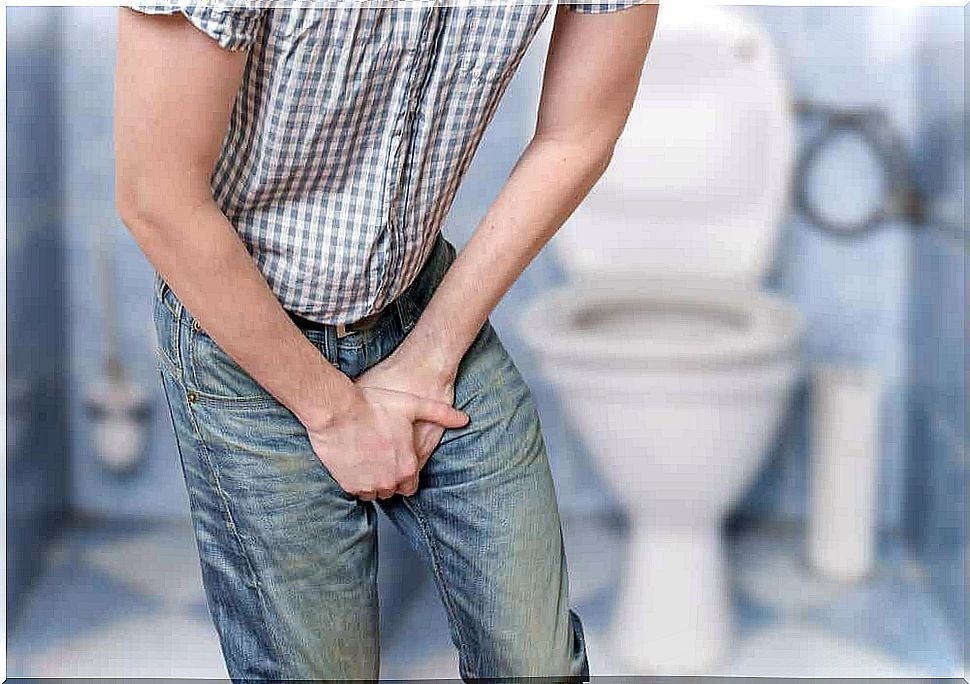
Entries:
{"x":938,"y":474}
{"x":103,"y":258}
{"x":37,"y":449}
{"x":853,"y":292}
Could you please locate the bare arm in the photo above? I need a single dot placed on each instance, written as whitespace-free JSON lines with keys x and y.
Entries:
{"x":174,"y":92}
{"x":591,"y":76}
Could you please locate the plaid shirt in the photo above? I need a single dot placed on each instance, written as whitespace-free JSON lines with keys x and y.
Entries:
{"x":351,"y":130}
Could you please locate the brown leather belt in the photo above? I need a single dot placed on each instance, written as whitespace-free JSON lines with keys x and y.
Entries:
{"x":342,"y":329}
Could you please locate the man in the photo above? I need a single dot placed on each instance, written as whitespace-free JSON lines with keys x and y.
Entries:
{"x":321,"y":346}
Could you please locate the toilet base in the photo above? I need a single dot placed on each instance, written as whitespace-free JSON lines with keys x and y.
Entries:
{"x":673,"y":612}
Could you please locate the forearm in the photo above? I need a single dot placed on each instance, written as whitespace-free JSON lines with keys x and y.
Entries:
{"x":589,"y":84}
{"x":549,"y":181}
{"x":202,"y":258}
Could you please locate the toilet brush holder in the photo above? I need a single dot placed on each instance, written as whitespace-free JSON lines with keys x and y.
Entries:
{"x":845,"y":446}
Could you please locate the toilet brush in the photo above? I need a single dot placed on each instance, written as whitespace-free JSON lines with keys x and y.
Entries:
{"x":118,"y":408}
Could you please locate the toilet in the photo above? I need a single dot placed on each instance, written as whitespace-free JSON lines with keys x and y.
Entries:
{"x":669,"y":359}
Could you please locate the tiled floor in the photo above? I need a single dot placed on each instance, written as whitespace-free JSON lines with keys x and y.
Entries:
{"x":126,"y":601}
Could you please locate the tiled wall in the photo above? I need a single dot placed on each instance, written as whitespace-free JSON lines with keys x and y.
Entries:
{"x":936,"y":516}
{"x":101,"y":249}
{"x":854,"y":293}
{"x":37,"y":449}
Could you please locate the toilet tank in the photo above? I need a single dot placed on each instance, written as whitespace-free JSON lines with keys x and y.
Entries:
{"x":699,"y":180}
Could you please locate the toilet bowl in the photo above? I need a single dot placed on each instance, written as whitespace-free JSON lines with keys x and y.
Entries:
{"x":673,"y":364}
{"x":677,"y":388}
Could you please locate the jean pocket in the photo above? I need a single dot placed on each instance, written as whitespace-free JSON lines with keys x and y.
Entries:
{"x":214,"y":376}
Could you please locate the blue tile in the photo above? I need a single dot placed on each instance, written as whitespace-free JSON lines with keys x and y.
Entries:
{"x":72,"y":599}
{"x":897,"y":616}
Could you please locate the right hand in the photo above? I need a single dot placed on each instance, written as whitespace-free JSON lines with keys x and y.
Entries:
{"x":369,"y":446}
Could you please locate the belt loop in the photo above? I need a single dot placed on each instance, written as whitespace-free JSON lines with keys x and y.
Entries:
{"x":159,"y":285}
{"x":404,"y":317}
{"x":165,"y":293}
{"x":330,"y":346}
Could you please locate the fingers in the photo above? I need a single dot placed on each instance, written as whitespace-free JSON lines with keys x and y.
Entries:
{"x":439,"y":412}
{"x":408,"y":487}
{"x":402,"y":479}
{"x":374,"y":494}
{"x":388,"y":487}
{"x":387,"y":454}
{"x":427,"y":436}
{"x":386,"y":493}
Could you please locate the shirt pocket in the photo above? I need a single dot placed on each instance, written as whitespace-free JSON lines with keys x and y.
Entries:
{"x":491,"y":41}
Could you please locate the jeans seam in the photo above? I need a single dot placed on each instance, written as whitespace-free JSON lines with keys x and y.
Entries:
{"x":234,"y":531}
{"x":164,"y":363}
{"x":416,"y":510}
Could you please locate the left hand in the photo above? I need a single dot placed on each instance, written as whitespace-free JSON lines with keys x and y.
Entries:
{"x":396,"y":373}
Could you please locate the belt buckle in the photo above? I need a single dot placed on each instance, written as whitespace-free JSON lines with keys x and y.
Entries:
{"x":341,"y":330}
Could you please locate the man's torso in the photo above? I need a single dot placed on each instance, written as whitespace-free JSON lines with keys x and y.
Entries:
{"x":349,"y":136}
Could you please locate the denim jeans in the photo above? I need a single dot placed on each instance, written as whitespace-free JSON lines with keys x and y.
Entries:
{"x":289,"y":560}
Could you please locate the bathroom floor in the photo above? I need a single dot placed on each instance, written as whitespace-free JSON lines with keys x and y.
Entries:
{"x":126,"y":601}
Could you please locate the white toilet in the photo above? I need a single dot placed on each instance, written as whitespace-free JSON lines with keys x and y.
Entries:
{"x":669,"y":359}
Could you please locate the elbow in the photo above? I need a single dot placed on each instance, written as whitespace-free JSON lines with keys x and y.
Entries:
{"x":581,"y":157}
{"x":603,"y":155}
{"x":597,"y":156}
{"x":134,"y":206}
{"x":147,"y":206}
{"x":126,"y":204}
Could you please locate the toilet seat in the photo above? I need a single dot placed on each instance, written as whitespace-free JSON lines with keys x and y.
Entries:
{"x":661,"y":323}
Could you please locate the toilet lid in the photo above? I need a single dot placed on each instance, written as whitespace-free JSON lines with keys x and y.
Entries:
{"x":653,"y":323}
{"x":698,"y":183}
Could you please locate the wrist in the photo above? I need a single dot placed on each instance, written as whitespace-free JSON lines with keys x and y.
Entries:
{"x":427,"y":361}
{"x":329,"y":396}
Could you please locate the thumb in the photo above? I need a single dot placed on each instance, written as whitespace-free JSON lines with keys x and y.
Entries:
{"x":439,"y":412}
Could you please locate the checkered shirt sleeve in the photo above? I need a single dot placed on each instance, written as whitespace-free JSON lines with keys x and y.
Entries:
{"x":233,"y":26}
{"x":601,"y":7}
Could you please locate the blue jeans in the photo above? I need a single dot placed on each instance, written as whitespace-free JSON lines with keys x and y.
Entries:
{"x":289,"y":560}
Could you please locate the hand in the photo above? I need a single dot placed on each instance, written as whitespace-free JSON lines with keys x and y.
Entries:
{"x":395,"y":373}
{"x":369,"y":447}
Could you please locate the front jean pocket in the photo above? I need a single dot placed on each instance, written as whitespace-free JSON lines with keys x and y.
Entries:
{"x":212,"y":375}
